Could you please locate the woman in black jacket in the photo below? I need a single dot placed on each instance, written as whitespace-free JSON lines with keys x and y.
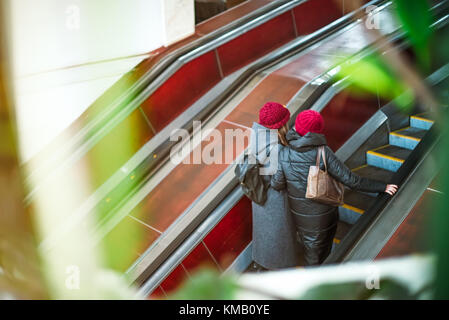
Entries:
{"x":316,"y":222}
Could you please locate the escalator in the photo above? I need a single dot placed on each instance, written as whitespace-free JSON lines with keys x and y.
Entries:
{"x":147,"y":99}
{"x":199,"y":242}
{"x":402,"y":150}
{"x":191,"y":213}
{"x":382,"y":161}
{"x":375,"y":133}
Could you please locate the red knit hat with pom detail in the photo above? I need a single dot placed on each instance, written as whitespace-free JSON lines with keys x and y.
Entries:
{"x":273,"y":115}
{"x":309,"y":121}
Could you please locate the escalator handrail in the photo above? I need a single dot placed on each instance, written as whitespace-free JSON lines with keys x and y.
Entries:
{"x":399,"y":177}
{"x":314,"y":97}
{"x":87,"y":207}
{"x":151,"y":164}
{"x":182,"y":251}
{"x":382,"y":199}
{"x":156,"y":76}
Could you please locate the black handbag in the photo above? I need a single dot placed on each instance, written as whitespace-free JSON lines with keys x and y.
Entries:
{"x":252,"y":183}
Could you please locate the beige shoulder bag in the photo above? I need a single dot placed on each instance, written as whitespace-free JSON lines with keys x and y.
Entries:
{"x":321,"y":187}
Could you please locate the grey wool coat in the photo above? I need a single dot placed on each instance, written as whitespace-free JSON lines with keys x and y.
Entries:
{"x":274,"y":236}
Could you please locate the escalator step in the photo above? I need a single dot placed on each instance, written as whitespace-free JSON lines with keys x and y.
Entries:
{"x":421,"y":121}
{"x":356,"y":203}
{"x":407,"y":138}
{"x":342,"y":229}
{"x":387,"y":157}
{"x":371,"y":172}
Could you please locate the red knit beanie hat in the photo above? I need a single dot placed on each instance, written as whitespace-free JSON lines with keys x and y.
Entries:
{"x":273,"y":115}
{"x":309,"y":121}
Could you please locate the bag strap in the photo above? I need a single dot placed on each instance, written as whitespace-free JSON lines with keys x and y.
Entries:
{"x":318,"y":155}
{"x":321,"y":153}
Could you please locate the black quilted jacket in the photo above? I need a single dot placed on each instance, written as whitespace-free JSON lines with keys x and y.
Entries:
{"x":294,"y":163}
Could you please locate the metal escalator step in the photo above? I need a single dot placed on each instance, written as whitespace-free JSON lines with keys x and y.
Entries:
{"x":356,"y":203}
{"x":422,"y":121}
{"x":387,"y":157}
{"x":407,"y":137}
{"x":376,"y":173}
{"x":342,"y":229}
{"x":359,"y":200}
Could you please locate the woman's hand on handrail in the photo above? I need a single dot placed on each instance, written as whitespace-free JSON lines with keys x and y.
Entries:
{"x":391,"y":189}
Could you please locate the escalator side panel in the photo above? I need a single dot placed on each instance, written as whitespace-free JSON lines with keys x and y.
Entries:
{"x":218,"y":249}
{"x":232,"y":234}
{"x":344,"y":115}
{"x":306,"y":18}
{"x":412,"y":234}
{"x":256,"y":43}
{"x":229,"y":16}
{"x":181,"y":90}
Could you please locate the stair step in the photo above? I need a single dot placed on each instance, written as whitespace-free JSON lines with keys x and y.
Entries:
{"x":342,"y":230}
{"x":356,"y":203}
{"x":421,"y":121}
{"x":407,"y":138}
{"x":376,"y":173}
{"x":387,"y":157}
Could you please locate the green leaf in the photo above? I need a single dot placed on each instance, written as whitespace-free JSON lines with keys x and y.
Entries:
{"x":370,"y":74}
{"x":356,"y":290}
{"x":416,"y":18}
{"x":207,"y":284}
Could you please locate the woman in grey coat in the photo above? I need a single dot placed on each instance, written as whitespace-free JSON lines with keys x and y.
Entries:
{"x":274,"y":237}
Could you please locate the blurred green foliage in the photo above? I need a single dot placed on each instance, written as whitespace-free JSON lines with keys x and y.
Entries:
{"x":389,"y":289}
{"x":416,"y":18}
{"x":371,"y":74}
{"x":207,"y":284}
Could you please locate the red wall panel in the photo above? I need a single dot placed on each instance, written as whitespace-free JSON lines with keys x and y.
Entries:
{"x":174,"y":280}
{"x":181,"y":90}
{"x":344,"y":115}
{"x":157,"y":294}
{"x":256,"y":42}
{"x":315,"y":14}
{"x":199,"y":258}
{"x":232,"y":234}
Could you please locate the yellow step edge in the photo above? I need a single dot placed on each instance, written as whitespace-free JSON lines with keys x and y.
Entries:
{"x":360,"y":167}
{"x":421,"y":118}
{"x":395,"y":133}
{"x":381,"y":147}
{"x":347,"y":206}
{"x":385,"y":156}
{"x":337,"y":241}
